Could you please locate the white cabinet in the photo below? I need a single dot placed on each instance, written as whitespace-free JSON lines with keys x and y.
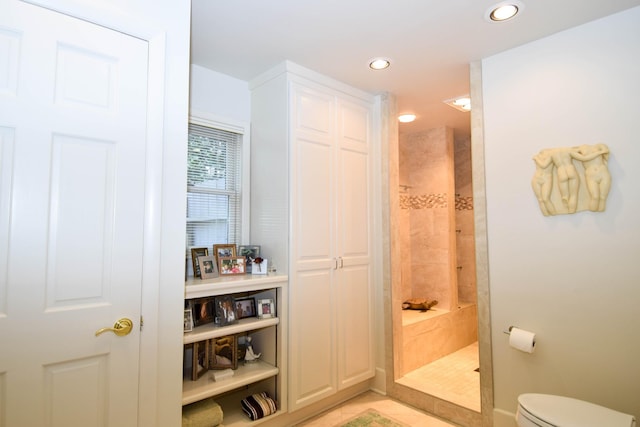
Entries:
{"x":268,"y":338}
{"x":319,"y":133}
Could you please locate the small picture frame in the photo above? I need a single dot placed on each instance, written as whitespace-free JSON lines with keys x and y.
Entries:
{"x":225,"y":310}
{"x":232,"y":265}
{"x":245,"y":307}
{"x":266,"y":308}
{"x":208,"y":267}
{"x":188,"y":320}
{"x":203,"y":310}
{"x":195,"y":254}
{"x":250,"y":252}
{"x":259,"y":266}
{"x":200,"y":359}
{"x":223,"y":251}
{"x":223,"y":353}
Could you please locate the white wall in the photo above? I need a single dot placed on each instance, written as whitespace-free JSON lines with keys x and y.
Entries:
{"x":572,"y":279}
{"x":219,"y":95}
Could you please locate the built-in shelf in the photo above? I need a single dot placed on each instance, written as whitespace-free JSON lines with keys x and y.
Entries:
{"x":193,"y":391}
{"x":255,"y":377}
{"x":233,"y":415}
{"x":211,"y":330}
{"x":197,"y":288}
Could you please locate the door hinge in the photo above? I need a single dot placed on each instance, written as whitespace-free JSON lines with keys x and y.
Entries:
{"x":141,"y":322}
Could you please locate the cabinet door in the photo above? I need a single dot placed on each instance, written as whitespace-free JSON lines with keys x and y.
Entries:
{"x":312,"y":363}
{"x":353,"y":229}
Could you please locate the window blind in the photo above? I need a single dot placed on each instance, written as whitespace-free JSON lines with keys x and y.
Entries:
{"x":213,"y":188}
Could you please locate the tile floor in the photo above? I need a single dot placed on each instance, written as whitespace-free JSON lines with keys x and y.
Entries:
{"x":382,"y":404}
{"x":451,"y":378}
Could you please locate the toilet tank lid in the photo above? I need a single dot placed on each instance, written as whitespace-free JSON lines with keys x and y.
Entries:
{"x":563,"y":411}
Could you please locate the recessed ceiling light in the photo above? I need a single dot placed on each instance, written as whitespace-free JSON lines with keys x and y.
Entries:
{"x":379,"y":63}
{"x":503,"y":11}
{"x":462,"y":103}
{"x":406,"y":118}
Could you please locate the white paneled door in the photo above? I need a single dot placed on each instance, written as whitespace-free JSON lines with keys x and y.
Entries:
{"x":72,"y":159}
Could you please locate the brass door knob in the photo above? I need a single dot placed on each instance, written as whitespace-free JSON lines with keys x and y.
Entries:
{"x":121,"y":328}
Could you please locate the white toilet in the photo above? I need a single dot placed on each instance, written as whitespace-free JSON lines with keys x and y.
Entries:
{"x":545,"y":410}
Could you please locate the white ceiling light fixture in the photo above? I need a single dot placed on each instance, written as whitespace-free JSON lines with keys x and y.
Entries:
{"x":461,"y":103}
{"x":503,"y":11}
{"x":406,"y":118}
{"x":379,"y":63}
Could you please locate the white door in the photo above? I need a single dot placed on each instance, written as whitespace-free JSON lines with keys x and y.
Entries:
{"x":72,"y":158}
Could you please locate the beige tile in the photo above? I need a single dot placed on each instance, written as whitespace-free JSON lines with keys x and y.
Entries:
{"x":452,"y":378}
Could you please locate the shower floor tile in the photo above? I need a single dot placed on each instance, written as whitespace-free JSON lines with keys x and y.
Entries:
{"x":453,"y":378}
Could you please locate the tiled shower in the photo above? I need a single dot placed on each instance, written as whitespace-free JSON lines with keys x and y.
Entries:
{"x":437,"y":247}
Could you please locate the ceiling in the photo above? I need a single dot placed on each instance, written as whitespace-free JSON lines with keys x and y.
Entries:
{"x":430,"y":43}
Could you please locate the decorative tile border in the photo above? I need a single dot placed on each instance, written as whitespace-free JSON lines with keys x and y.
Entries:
{"x":431,"y":201}
{"x":464,"y":203}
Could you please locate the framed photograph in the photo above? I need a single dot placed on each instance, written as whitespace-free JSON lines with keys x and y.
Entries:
{"x":232,"y":265}
{"x":208,"y":267}
{"x":200,"y":359}
{"x":195,"y":253}
{"x":241,"y":345}
{"x":203,"y":310}
{"x":223,"y":353}
{"x":225,"y":310}
{"x":266,"y":308}
{"x":223,"y":251}
{"x":259,"y":266}
{"x":245,"y":307}
{"x":250,"y":253}
{"x":188,"y":320}
{"x":187,"y":361}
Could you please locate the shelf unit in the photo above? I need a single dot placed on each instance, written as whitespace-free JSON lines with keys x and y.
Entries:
{"x":268,"y":338}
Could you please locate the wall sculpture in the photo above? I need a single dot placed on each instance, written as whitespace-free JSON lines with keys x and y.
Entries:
{"x":572,"y":179}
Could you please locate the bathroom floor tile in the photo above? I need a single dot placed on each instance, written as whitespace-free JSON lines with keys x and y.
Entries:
{"x":453,"y":378}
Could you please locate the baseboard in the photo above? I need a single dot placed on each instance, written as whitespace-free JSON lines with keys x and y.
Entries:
{"x":503,"y":418}
{"x":379,"y":381}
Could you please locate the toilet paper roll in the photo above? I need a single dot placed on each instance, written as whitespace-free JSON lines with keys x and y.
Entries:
{"x":522,"y":340}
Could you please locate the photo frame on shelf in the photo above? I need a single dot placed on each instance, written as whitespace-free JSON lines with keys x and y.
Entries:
{"x":241,"y":346}
{"x":223,"y":353}
{"x":266,"y":308}
{"x":249,"y":252}
{"x":203,"y":310}
{"x":208,"y":267}
{"x":259,"y":266}
{"x":201,"y":360}
{"x":187,"y":361}
{"x":225,"y":310}
{"x":245,"y":307}
{"x":229,"y":266}
{"x":188,"y":320}
{"x":195,"y":254}
{"x":223,"y":251}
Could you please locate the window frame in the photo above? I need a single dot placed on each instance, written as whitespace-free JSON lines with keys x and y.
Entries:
{"x":242,"y":129}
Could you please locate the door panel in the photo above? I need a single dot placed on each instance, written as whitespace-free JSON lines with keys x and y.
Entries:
{"x":72,"y":149}
{"x":355,"y":316}
{"x":312,"y":358}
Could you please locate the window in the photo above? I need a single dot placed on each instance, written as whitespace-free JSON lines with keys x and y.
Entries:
{"x":213,"y":187}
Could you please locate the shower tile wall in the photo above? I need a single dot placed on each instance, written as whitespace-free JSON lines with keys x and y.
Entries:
{"x":427,"y":212}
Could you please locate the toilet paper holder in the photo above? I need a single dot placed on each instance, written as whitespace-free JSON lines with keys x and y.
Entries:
{"x":508,"y":332}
